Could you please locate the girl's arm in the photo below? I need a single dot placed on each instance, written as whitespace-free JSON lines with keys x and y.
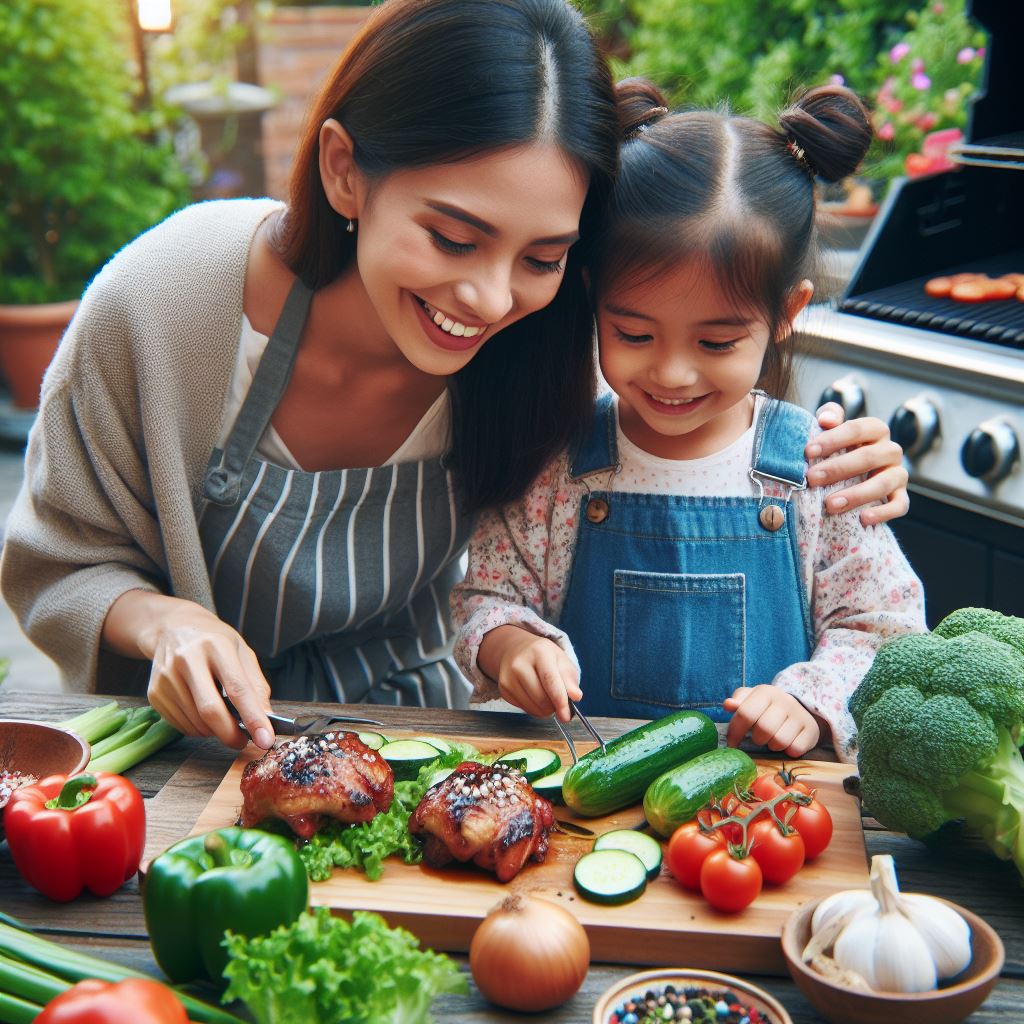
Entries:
{"x":519,"y":559}
{"x":858,"y":448}
{"x":863,"y":591}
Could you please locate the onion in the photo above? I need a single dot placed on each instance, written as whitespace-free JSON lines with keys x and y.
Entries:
{"x":529,"y":954}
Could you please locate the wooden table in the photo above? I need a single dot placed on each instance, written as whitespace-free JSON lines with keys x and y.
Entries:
{"x":178,"y":781}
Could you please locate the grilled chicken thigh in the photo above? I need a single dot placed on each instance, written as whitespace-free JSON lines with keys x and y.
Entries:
{"x":487,"y":814}
{"x":311,"y":778}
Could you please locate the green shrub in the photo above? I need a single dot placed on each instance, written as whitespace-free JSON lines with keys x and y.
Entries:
{"x":81,"y":170}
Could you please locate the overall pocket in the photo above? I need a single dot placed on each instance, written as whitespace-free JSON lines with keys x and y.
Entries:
{"x":679,"y":639}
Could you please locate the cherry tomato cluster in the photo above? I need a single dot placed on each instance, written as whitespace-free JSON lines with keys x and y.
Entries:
{"x":737,"y":844}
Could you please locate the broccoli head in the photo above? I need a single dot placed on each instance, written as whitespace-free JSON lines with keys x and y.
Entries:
{"x":939,"y":716}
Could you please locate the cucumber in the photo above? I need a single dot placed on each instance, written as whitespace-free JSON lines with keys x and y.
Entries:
{"x":438,"y":776}
{"x":601,"y":783}
{"x":610,"y":876}
{"x":538,"y":761}
{"x":407,"y":757}
{"x":550,"y":786}
{"x":435,"y":741}
{"x":681,"y":792}
{"x":644,"y":846}
{"x":373,"y":740}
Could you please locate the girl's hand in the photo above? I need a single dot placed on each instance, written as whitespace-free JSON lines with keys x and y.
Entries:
{"x":870,"y":450}
{"x":775,"y":719}
{"x":532,"y":672}
{"x":194,"y":655}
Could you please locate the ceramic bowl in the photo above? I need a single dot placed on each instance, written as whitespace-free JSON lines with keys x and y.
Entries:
{"x":948,"y":1005}
{"x":682,"y":977}
{"x":38,"y":749}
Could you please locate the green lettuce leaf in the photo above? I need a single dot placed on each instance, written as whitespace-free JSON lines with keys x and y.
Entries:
{"x":323,"y":969}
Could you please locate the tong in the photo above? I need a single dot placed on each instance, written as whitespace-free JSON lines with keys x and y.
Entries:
{"x":587,"y":724}
{"x":300,"y":725}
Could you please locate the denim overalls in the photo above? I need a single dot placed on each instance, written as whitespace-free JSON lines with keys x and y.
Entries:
{"x":676,"y":601}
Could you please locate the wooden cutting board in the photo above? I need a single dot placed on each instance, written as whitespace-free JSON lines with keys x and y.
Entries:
{"x":667,"y":925}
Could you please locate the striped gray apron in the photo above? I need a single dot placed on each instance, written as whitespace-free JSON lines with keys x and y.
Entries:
{"x":338,"y":580}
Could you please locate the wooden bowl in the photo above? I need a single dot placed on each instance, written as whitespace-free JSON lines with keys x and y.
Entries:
{"x":682,"y":977}
{"x":948,"y":1005}
{"x":39,"y":749}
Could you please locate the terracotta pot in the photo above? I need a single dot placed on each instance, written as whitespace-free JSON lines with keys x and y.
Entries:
{"x":28,"y":340}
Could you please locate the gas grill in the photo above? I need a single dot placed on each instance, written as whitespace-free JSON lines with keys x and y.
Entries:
{"x":948,"y":376}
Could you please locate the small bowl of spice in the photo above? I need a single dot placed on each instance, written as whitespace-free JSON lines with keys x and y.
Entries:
{"x":681,"y":994}
{"x":30,"y":751}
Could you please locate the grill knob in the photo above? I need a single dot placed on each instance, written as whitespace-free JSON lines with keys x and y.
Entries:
{"x":915,"y":426}
{"x":847,"y":393}
{"x":991,"y":451}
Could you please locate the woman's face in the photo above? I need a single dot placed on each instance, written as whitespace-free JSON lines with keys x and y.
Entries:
{"x":451,"y":254}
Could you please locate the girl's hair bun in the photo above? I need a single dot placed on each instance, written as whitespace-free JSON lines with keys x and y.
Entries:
{"x":640,"y":104}
{"x":829,"y":130}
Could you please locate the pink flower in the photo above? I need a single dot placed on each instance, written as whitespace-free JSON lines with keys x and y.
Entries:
{"x":921,"y":81}
{"x":917,"y":64}
{"x":926,"y":122}
{"x":966,"y":55}
{"x":898,"y":52}
{"x":837,"y":80}
{"x":887,"y":132}
{"x":938,"y":8}
{"x":981,"y":52}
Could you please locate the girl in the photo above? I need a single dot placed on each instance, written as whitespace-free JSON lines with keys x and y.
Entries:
{"x":207,"y":509}
{"x":675,"y":556}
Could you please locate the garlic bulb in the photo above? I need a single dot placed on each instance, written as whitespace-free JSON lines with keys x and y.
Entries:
{"x":896,"y":942}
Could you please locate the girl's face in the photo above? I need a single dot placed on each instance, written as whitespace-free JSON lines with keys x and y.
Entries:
{"x":449,"y":255}
{"x":682,"y":360}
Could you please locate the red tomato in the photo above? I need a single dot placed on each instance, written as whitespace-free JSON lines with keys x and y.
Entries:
{"x":814,"y":824}
{"x":729,"y":883}
{"x":780,"y":856}
{"x":785,"y":780}
{"x":764,"y":787}
{"x":687,"y":849}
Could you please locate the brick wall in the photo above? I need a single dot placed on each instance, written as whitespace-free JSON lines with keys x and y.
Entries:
{"x":298,"y":47}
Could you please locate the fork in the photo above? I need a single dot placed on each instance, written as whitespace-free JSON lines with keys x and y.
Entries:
{"x":300,"y":725}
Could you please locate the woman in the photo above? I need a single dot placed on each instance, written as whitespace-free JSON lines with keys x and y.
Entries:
{"x":454,"y":156}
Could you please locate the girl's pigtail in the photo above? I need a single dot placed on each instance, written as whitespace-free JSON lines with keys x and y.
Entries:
{"x":828,"y":131}
{"x":640,"y":104}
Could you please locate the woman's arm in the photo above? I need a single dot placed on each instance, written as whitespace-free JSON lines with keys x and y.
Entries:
{"x":856,"y":448}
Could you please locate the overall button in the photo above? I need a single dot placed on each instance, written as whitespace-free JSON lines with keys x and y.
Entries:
{"x":772,"y":517}
{"x":597,"y":510}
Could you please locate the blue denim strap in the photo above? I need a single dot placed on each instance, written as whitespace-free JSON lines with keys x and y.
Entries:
{"x":597,"y":452}
{"x":779,"y":441}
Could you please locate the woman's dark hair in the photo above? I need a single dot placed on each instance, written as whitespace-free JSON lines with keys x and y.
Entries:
{"x":732,"y":193}
{"x":436,"y":81}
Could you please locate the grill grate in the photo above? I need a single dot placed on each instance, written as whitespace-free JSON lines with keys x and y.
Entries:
{"x":1000,"y":323}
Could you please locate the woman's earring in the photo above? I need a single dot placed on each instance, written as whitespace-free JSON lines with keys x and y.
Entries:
{"x":351,"y":226}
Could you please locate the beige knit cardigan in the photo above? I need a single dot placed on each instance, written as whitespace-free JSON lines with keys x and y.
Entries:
{"x":130,"y":411}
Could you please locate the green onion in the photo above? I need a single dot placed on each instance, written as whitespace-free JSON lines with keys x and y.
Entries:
{"x":158,"y":735}
{"x":98,"y":723}
{"x":17,"y":1011}
{"x":120,"y":738}
{"x":24,"y":982}
{"x":68,"y":965}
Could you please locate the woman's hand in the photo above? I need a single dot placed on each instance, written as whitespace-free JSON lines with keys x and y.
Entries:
{"x":869,"y":450}
{"x":194,"y":655}
{"x":532,"y":672}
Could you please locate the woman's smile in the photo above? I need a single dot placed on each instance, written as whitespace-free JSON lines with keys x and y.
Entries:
{"x":445,"y":331}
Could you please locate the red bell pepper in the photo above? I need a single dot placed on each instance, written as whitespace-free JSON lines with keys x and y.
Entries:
{"x":135,"y":1001}
{"x":67,"y":835}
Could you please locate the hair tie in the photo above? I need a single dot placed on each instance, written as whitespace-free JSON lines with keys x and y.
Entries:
{"x":655,"y":113}
{"x":800,"y":156}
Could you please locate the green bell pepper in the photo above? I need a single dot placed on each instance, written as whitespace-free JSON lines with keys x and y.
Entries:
{"x":244,"y":880}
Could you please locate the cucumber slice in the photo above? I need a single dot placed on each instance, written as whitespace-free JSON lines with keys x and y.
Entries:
{"x":407,"y":757}
{"x":374,"y":740}
{"x":550,"y":786}
{"x":610,"y":876}
{"x":435,"y":741}
{"x":644,"y":846}
{"x":539,"y":761}
{"x":439,"y":776}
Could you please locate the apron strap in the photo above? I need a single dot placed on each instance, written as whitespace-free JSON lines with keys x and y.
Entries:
{"x":222,"y":482}
{"x":779,"y":440}
{"x":597,"y":452}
